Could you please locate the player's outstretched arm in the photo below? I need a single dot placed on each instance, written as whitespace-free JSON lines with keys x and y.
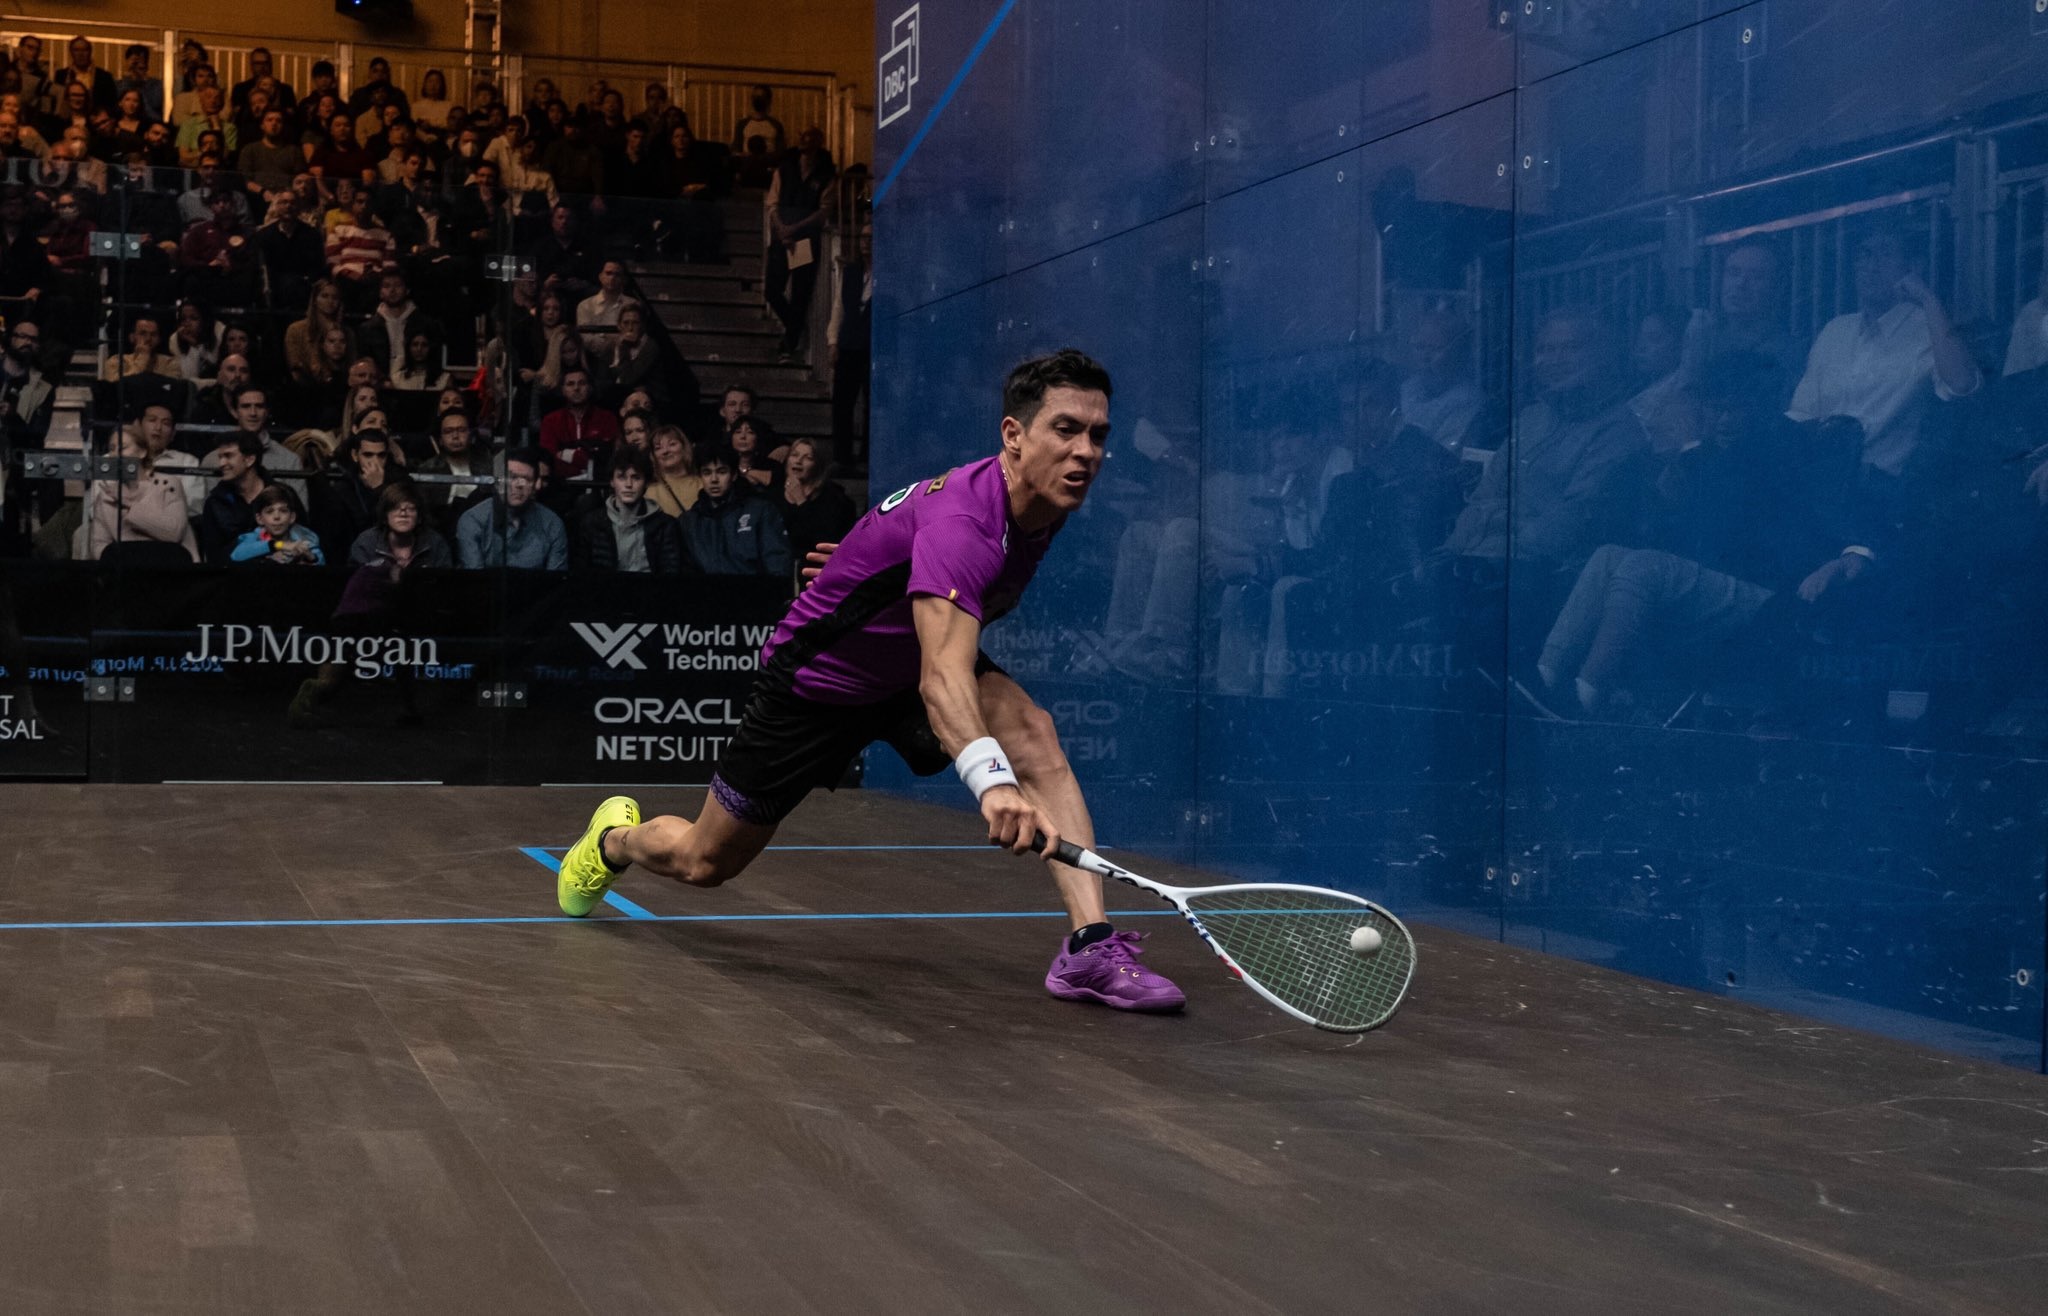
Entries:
{"x":949,"y":639}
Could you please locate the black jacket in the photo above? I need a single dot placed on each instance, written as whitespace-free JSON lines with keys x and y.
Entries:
{"x":742,"y":535}
{"x":592,"y":543}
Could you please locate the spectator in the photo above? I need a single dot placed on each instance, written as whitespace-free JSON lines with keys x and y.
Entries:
{"x":599,"y":312}
{"x":503,"y":150}
{"x":135,"y":77}
{"x":378,"y":82}
{"x":262,"y":66}
{"x":210,"y":117}
{"x":24,"y":265}
{"x":576,"y":164}
{"x":634,"y":176}
{"x":847,"y":339}
{"x":422,"y":370}
{"x":514,"y":530}
{"x":1438,"y":397}
{"x":28,"y":399}
{"x":579,"y":432}
{"x":230,"y":511}
{"x":455,"y":454}
{"x":397,"y":317}
{"x":219,"y":257}
{"x":815,"y":509}
{"x":752,"y":443}
{"x":159,"y":431}
{"x":1748,"y":318}
{"x":634,"y":361}
{"x":195,"y":343}
{"x":1663,"y":402}
{"x":695,"y":174}
{"x":400,"y":163}
{"x":1715,"y":574}
{"x":659,"y":116}
{"x":732,"y":529}
{"x":628,"y":532}
{"x":674,"y":484}
{"x":735,"y":402}
{"x":796,"y":218}
{"x":29,"y":67}
{"x":560,"y":261}
{"x":361,"y":399}
{"x":401,"y":535}
{"x":252,"y":419}
{"x":269,"y":163}
{"x":278,"y":538}
{"x":359,"y":252}
{"x":1876,"y":363}
{"x":14,"y":143}
{"x":345,"y":503}
{"x":130,"y":119}
{"x":341,"y":157}
{"x":214,"y":403}
{"x":293,"y":254}
{"x":68,"y":242}
{"x":483,"y":213}
{"x":145,"y":355}
{"x":99,"y":83}
{"x":189,"y":100}
{"x":759,"y":126}
{"x":528,"y":181}
{"x":145,"y":510}
{"x":1576,"y":457}
{"x":433,"y":104}
{"x":194,"y":203}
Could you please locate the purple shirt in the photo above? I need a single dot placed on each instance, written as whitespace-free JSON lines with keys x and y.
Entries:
{"x":850,"y":636}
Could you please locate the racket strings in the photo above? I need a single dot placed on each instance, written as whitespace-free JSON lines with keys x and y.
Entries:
{"x":1297,"y":945}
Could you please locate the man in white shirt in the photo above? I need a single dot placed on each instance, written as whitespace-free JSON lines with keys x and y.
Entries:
{"x":599,"y":312}
{"x":1439,"y":398}
{"x":1885,"y":362}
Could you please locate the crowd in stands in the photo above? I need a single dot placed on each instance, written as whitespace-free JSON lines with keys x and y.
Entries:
{"x":1696,"y":495}
{"x":309,"y":353}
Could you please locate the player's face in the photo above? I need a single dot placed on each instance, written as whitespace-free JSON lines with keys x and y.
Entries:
{"x":1058,"y":455}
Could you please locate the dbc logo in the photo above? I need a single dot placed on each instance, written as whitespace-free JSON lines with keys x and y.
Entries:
{"x":898,"y":72}
{"x":616,"y":644}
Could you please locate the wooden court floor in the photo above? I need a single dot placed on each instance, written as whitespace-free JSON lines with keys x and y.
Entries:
{"x":302,"y":1113}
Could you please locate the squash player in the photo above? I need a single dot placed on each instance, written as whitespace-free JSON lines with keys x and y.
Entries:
{"x":885,"y":646}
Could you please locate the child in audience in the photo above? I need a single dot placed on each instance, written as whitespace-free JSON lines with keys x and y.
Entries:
{"x":278,"y":536}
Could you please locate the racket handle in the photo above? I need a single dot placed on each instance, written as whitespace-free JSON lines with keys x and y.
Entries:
{"x":1067,"y":852}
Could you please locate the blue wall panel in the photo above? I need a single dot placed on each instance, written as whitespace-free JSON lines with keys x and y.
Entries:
{"x":1483,"y":528}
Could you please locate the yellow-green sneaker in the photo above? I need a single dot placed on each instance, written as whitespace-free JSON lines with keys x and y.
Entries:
{"x":583,"y":877}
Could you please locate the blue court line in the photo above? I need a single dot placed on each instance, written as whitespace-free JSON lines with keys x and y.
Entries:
{"x":643,"y":917}
{"x":932,"y":115}
{"x":612,"y":898}
{"x":536,"y":851}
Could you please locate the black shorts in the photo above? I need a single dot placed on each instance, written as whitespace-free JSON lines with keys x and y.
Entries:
{"x":787,"y":745}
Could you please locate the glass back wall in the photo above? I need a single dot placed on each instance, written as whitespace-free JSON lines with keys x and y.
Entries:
{"x":1580,"y":471}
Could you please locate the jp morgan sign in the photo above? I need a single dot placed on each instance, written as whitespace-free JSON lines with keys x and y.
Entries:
{"x":368,"y":655}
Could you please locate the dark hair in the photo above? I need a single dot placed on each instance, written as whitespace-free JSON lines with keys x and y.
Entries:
{"x":646,"y":415}
{"x":628,"y":458}
{"x":752,"y":396}
{"x":272,"y":495}
{"x":137,"y":49}
{"x":764,"y":433}
{"x":244,"y":391}
{"x":717,"y":454}
{"x":1024,"y":391}
{"x":248,"y":445}
{"x":1378,"y":380}
{"x":321,"y":66}
{"x":441,"y":421}
{"x":354,"y":445}
{"x":395,"y":494}
{"x":533,"y":457}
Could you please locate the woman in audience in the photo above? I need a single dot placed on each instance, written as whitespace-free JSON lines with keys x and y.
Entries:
{"x":146,"y":510}
{"x":431,"y":106}
{"x":633,"y":357}
{"x":815,"y":509}
{"x":305,"y":340}
{"x":674,"y":485}
{"x":403,"y":537}
{"x":752,"y":438}
{"x":423,"y":370}
{"x":362,"y":400}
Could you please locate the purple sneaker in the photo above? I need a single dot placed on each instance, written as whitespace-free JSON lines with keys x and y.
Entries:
{"x":1108,"y":971}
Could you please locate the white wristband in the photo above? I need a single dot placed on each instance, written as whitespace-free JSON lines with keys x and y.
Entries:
{"x":982,"y":765}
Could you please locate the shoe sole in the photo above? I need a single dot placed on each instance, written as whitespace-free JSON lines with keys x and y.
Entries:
{"x":1114,"y":1003}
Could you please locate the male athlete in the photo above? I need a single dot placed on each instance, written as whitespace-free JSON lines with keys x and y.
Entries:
{"x":886,"y":645}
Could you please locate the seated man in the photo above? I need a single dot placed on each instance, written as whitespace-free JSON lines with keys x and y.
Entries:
{"x":626,"y":532}
{"x":1763,"y":509}
{"x":733,"y":529}
{"x":513,"y":530}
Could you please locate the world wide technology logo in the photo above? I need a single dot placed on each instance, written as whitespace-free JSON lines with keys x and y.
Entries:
{"x":897,"y":72}
{"x":619,"y":646}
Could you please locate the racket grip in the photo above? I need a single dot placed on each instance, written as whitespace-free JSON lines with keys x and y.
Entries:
{"x":1067,"y":852}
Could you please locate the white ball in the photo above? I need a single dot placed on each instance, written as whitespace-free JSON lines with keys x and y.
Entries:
{"x":1366,"y":940}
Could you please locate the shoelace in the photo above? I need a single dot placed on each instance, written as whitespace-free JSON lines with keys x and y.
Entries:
{"x":1121,"y":948}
